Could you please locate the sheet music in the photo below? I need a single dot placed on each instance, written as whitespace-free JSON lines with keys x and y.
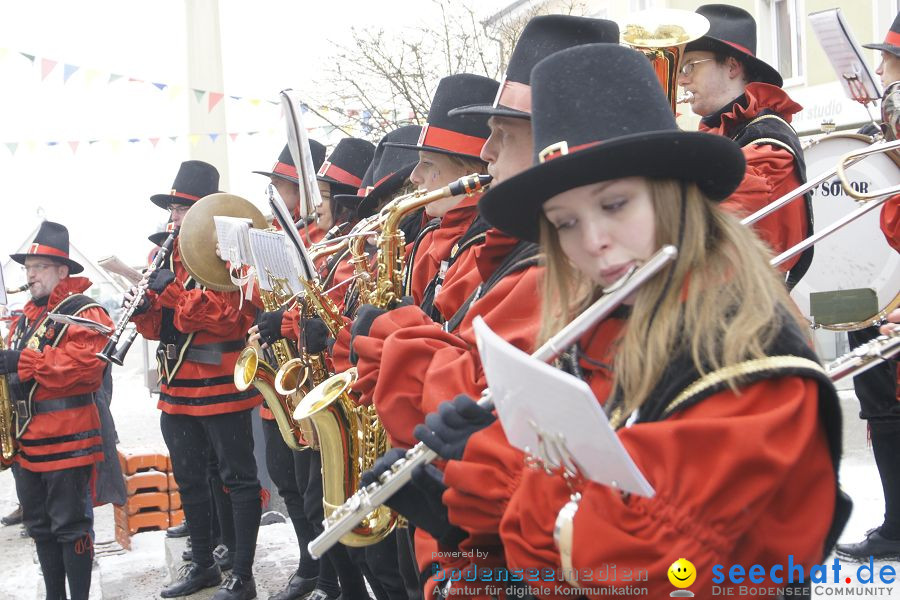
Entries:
{"x":303,"y":263}
{"x":114,"y":264}
{"x":532,"y":397}
{"x":845,"y":55}
{"x":234,"y":244}
{"x":271,"y":258}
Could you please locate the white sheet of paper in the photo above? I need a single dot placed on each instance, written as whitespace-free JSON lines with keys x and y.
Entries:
{"x":80,"y":321}
{"x":844,"y":53}
{"x":529,"y":393}
{"x":234,"y":245}
{"x":296,"y":247}
{"x":114,"y":264}
{"x":270,"y":258}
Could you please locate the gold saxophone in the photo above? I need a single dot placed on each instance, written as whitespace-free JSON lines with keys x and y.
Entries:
{"x":351,"y":437}
{"x":252,"y":369}
{"x":8,"y":445}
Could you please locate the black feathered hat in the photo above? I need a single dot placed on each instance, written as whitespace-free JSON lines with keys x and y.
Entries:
{"x":51,"y":241}
{"x":733,"y":30}
{"x":458,"y":135}
{"x":542,"y":36}
{"x":587,"y":131}
{"x":284,"y":167}
{"x":195,"y":179}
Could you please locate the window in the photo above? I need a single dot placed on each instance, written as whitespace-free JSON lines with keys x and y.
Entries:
{"x":787,"y":44}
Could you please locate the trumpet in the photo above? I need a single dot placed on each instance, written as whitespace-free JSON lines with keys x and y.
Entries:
{"x":116,"y":355}
{"x":346,"y":517}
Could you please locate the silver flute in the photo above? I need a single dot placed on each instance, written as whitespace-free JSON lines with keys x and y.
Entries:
{"x":367,"y":499}
{"x":864,"y":357}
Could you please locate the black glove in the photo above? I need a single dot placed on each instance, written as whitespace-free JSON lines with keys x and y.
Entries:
{"x":447,"y":430}
{"x":315,"y":335}
{"x":420,"y":499}
{"x":270,"y":326}
{"x":9,"y":361}
{"x":159,"y":279}
{"x":365,"y":316}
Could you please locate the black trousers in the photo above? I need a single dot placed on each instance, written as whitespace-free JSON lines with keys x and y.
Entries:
{"x":877,"y":387}
{"x":190,"y":439}
{"x":57,"y":515}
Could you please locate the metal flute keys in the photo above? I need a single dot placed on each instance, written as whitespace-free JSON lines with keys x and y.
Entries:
{"x":344,"y":518}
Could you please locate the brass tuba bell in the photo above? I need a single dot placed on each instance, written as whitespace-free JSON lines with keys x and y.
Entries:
{"x":661,"y":35}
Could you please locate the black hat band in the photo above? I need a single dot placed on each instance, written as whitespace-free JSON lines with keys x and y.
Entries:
{"x":451,"y":141}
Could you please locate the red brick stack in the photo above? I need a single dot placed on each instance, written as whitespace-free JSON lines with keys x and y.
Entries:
{"x":153,"y":500}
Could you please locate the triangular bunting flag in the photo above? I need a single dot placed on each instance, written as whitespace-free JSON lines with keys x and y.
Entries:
{"x":116,"y":145}
{"x":13,"y":146}
{"x":133,"y":80}
{"x":232,"y":97}
{"x":68,"y":71}
{"x":233,"y":136}
{"x":213,"y":137}
{"x":28,"y":56}
{"x":273,"y":102}
{"x":114,"y":77}
{"x":3,"y":53}
{"x":91,"y":75}
{"x":174,"y":138}
{"x":154,"y":141}
{"x":133,"y":140}
{"x":74,"y":146}
{"x":46,"y":66}
{"x":198,"y":94}
{"x":52,"y":143}
{"x":255,"y":101}
{"x":175,"y":91}
{"x":93,"y":141}
{"x":194,"y":139}
{"x":252,"y":132}
{"x":160,"y":86}
{"x":214,"y":98}
{"x":31,"y":145}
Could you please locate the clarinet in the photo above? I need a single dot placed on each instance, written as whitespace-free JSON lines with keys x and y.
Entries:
{"x":112,"y":352}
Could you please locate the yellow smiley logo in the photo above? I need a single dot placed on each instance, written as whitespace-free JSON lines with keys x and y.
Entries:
{"x":682,"y":573}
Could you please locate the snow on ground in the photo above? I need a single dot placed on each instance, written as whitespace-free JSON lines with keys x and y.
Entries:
{"x":139,"y":574}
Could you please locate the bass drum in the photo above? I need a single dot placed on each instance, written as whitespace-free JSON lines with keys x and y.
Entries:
{"x":854,"y":278}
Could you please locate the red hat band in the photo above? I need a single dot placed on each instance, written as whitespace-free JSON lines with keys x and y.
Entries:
{"x":338,"y":174}
{"x":449,"y":140}
{"x":514,"y":95}
{"x":285,"y":169}
{"x":36,"y":248}
{"x":893,"y":38}
{"x":178,"y":194}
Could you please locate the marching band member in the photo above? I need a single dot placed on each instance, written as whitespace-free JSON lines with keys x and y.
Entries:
{"x":201,"y":334}
{"x":707,"y":354}
{"x":415,"y":364}
{"x":740,"y":96}
{"x":54,"y":370}
{"x":876,"y":389}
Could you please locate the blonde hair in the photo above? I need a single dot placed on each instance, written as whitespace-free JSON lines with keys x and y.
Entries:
{"x":467,"y":164}
{"x":721,"y":303}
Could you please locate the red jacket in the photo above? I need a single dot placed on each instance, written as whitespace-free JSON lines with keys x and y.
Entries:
{"x":213,"y":317}
{"x":740,"y":479}
{"x":71,"y":368}
{"x":890,"y":221}
{"x":771,"y":172}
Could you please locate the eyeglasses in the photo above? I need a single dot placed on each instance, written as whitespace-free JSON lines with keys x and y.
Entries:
{"x":688,"y":68}
{"x":178,"y":209}
{"x":37,"y":267}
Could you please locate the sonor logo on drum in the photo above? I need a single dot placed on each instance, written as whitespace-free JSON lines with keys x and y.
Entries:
{"x":834,"y":188}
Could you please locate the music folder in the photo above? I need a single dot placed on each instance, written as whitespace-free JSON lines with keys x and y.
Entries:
{"x":845,"y":55}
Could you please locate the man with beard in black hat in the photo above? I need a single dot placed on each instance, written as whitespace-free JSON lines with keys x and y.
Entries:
{"x":201,"y":334}
{"x":54,"y":374}
{"x":740,"y":96}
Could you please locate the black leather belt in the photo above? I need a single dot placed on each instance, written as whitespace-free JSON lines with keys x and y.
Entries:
{"x":57,"y":404}
{"x":206,"y":354}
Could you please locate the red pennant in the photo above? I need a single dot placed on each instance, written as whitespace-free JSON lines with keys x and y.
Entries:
{"x":214,"y":98}
{"x":154,"y":141}
{"x":233,"y":136}
{"x":74,"y":146}
{"x":46,"y":66}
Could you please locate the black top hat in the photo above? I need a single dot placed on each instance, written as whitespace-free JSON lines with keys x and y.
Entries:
{"x":891,"y":41}
{"x":160,"y":236}
{"x":389,"y":170}
{"x":346,"y":165}
{"x":458,"y":135}
{"x":195,"y":179}
{"x":352,"y":201}
{"x":542,"y":36}
{"x":733,"y":29}
{"x":51,"y":241}
{"x":587,"y":131}
{"x":284,"y":167}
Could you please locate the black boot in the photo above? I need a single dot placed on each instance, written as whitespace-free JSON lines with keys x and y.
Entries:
{"x":178,"y":531}
{"x":193,"y":578}
{"x":78,"y":557}
{"x":236,"y":587}
{"x":874,"y":545}
{"x":297,"y":587}
{"x":13,"y":518}
{"x":53,"y":568}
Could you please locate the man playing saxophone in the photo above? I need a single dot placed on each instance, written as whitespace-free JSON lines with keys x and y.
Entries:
{"x":54,"y":373}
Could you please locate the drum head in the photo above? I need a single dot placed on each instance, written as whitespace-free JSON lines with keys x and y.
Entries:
{"x":854,"y":277}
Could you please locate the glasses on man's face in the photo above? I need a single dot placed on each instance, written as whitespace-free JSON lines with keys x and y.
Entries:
{"x":178,"y":209}
{"x":37,"y":267}
{"x":688,"y":68}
